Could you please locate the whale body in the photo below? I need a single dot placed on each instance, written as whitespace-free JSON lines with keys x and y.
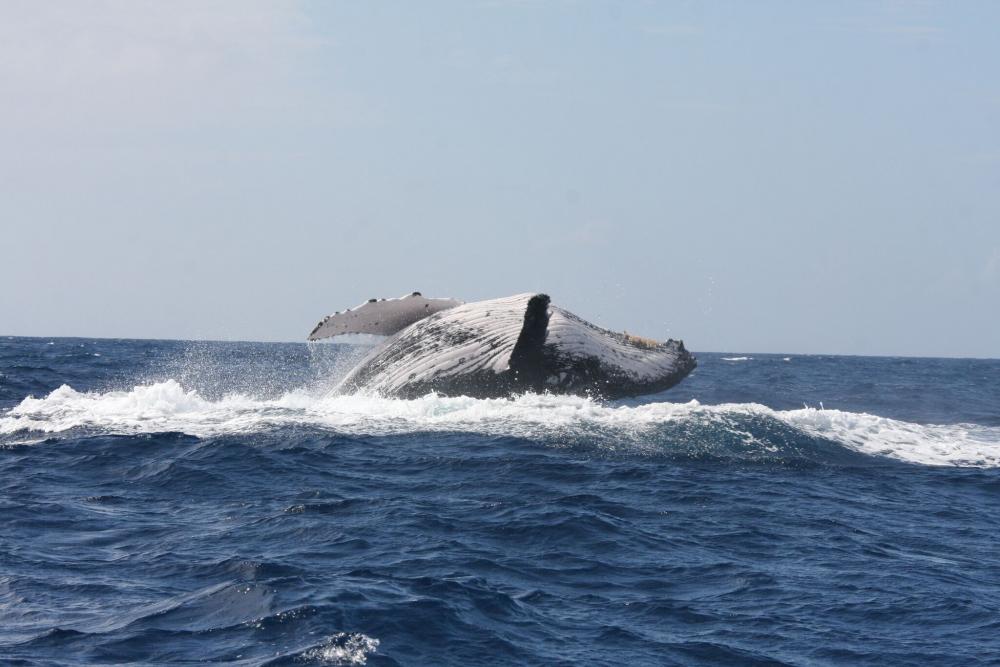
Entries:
{"x":498,"y":348}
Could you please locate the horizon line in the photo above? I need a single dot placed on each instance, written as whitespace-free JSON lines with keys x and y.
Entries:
{"x":328,"y":342}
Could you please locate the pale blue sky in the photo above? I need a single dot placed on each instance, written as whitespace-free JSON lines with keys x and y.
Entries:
{"x":784,"y":177}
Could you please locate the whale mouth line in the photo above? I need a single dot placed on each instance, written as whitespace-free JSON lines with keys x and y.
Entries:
{"x":746,"y":431}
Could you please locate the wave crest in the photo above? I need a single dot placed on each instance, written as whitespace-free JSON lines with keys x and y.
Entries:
{"x":645,"y":428}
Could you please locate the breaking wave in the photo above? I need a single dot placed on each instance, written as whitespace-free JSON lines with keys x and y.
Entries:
{"x":743,"y":430}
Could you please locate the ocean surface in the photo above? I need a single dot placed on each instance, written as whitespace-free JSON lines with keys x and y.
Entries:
{"x":167,"y":502}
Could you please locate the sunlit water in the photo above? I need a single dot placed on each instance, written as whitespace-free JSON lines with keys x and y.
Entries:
{"x":169,"y":502}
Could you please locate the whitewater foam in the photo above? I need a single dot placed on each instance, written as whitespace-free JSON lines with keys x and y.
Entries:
{"x":168,"y":406}
{"x":344,"y":649}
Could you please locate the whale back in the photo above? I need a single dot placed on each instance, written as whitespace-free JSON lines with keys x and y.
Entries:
{"x":584,"y":358}
{"x":515,"y":344}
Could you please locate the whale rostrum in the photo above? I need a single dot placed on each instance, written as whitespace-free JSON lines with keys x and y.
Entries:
{"x":500,"y":347}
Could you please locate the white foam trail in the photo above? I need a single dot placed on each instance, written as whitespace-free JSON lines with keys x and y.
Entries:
{"x":344,"y":649}
{"x":167,"y":406}
{"x":737,"y":358}
{"x":969,"y":445}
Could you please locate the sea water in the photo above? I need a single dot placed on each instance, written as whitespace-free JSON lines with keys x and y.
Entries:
{"x":177,"y":502}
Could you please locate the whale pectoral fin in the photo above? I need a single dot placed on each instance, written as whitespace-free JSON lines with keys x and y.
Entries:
{"x":383,"y":317}
{"x":527,"y":360}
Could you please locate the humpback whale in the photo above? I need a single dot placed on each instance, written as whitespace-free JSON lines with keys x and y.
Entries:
{"x":499,"y":347}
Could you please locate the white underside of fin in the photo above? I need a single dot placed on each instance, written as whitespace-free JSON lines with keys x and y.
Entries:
{"x":382,"y":317}
{"x":460,"y":340}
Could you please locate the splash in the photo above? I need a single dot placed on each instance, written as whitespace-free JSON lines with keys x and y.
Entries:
{"x":343,"y":649}
{"x":559,"y":420}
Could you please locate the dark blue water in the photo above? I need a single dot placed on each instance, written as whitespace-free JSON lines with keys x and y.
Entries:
{"x":210,"y":502}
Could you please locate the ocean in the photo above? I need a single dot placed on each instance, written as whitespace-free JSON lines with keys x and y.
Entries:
{"x":166,"y":502}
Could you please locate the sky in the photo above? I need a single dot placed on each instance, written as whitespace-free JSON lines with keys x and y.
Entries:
{"x":763,"y":177}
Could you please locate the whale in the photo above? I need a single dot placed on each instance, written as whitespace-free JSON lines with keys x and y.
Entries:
{"x":499,"y":348}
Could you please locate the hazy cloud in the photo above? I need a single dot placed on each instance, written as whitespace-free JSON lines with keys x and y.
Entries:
{"x":990,"y":273}
{"x":146,"y":61}
{"x":677,"y":29}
